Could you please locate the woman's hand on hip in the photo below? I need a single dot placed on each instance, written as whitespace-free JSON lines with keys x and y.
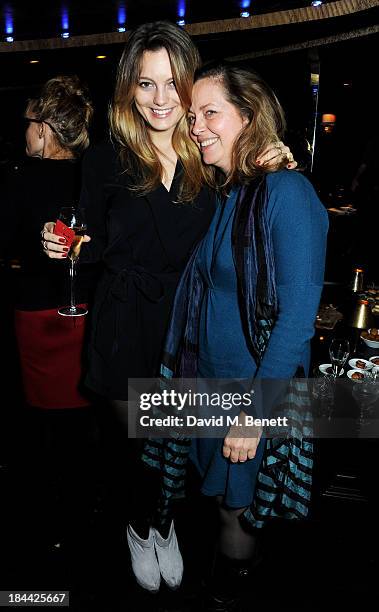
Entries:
{"x":242,"y":441}
{"x":275,"y":154}
{"x":53,"y":245}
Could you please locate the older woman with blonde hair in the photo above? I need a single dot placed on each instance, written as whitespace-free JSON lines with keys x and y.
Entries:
{"x":244,"y":310}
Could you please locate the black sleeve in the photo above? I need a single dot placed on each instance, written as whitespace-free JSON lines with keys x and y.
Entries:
{"x":98,"y":171}
{"x":11,"y":211}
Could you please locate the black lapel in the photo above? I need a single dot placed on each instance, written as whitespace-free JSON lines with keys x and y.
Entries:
{"x":180,"y":226}
{"x":160,"y":202}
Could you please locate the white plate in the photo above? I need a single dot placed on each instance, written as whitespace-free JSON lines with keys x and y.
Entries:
{"x":372,"y":361}
{"x":324,"y":366}
{"x":351,"y":372}
{"x":348,"y":209}
{"x":353,"y":364}
{"x":371,"y":343}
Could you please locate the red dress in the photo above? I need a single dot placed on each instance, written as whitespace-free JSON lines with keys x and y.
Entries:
{"x":50,"y":348}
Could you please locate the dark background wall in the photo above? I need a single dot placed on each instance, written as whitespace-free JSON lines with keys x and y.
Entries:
{"x":347,"y":82}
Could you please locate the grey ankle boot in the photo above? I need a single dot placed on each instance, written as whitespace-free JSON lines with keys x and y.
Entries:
{"x":169,"y":558}
{"x":144,"y":561}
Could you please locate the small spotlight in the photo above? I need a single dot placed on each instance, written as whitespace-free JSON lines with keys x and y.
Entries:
{"x":244,"y":14}
{"x":65,"y":35}
{"x":321,"y":338}
{"x":101,"y":56}
{"x":121,"y":29}
{"x":181,"y":22}
{"x":9,"y":39}
{"x":347,"y":84}
{"x":34,"y":62}
{"x":316,"y":2}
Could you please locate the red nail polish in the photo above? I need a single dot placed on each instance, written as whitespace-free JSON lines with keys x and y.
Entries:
{"x":62,"y":240}
{"x":66,"y":249}
{"x":64,"y":254}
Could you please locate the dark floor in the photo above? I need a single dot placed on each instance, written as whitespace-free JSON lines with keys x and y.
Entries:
{"x":63,"y":519}
{"x":63,"y":516}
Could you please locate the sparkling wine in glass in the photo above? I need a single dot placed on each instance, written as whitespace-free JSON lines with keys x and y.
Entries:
{"x":74,"y":218}
{"x":339,"y":352}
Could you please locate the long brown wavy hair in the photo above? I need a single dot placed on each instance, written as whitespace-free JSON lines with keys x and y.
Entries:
{"x":64,"y":104}
{"x":139,"y":157}
{"x":256,"y":101}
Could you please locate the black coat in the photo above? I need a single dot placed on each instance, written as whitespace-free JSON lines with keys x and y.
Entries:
{"x":144,"y":243}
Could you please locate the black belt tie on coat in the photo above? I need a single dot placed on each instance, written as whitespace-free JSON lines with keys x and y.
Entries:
{"x":146,"y":282}
{"x":125,"y":280}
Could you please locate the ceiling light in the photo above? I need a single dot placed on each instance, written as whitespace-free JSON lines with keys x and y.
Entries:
{"x":101,"y":56}
{"x":121,"y":16}
{"x":34,"y":62}
{"x":245,"y":5}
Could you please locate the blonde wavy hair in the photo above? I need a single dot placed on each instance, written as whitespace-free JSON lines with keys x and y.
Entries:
{"x":65,"y":106}
{"x":139,"y":157}
{"x":257,"y":102}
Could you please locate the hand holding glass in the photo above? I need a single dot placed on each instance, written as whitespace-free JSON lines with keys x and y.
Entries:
{"x":74,"y":218}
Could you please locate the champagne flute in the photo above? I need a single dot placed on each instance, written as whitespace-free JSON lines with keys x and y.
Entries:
{"x":339,"y":351}
{"x":74,"y":218}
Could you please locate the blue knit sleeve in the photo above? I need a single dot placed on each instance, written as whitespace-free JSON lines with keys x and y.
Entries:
{"x":299,"y":225}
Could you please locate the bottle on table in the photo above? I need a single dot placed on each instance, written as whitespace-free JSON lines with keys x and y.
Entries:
{"x":357,"y":281}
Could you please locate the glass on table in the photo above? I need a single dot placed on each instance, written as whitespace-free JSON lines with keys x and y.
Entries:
{"x":366,"y":394}
{"x":339,"y":352}
{"x":322,"y":391}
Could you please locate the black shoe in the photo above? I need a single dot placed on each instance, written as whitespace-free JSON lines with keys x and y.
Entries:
{"x":229,"y":581}
{"x":217,"y":603}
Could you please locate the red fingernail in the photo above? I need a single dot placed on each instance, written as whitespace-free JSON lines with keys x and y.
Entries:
{"x":66,"y":249}
{"x":62,"y":240}
{"x":64,"y":254}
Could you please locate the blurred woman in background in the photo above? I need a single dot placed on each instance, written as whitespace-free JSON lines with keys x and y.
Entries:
{"x":50,"y":346}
